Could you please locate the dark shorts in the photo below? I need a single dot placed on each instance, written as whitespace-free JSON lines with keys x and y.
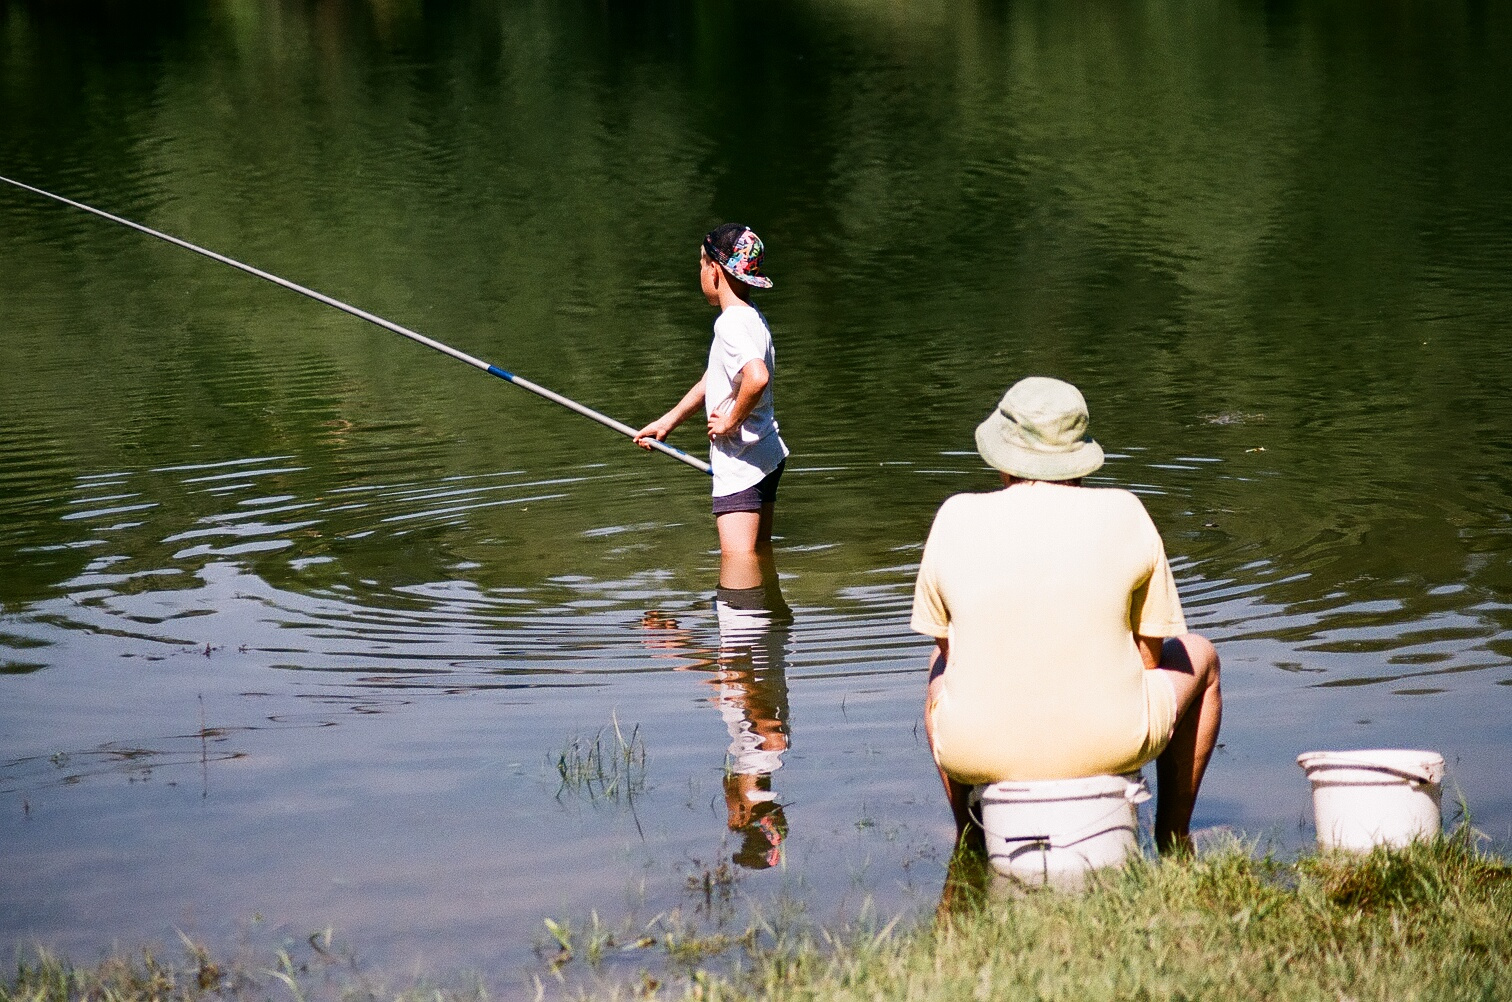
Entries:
{"x":752,"y":498}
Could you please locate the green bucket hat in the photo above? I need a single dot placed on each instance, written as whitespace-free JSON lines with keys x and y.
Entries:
{"x":1039,"y":432}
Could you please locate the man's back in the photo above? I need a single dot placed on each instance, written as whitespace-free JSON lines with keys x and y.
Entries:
{"x":1040,"y":588}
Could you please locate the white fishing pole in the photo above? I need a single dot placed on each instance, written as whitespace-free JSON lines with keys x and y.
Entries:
{"x":389,"y":325}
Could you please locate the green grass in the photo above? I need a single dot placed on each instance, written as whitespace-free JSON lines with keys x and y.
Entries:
{"x":1431,"y":922}
{"x":607,"y":766}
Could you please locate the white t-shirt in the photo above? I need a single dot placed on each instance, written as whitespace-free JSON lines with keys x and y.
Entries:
{"x":743,"y":458}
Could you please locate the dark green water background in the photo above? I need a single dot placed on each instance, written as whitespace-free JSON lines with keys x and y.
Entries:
{"x":295,"y":614}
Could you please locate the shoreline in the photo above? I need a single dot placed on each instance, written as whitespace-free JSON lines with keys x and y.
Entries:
{"x":1430,"y":921}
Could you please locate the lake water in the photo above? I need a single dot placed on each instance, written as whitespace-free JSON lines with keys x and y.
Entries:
{"x":297,"y":618}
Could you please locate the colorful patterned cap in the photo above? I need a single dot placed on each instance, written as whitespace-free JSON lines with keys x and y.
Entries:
{"x":743,"y":261}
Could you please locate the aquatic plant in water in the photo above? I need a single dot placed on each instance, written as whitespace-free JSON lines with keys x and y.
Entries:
{"x":609,"y":765}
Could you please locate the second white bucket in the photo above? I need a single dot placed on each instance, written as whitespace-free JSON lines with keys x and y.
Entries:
{"x":1380,"y":796}
{"x":1053,"y":832}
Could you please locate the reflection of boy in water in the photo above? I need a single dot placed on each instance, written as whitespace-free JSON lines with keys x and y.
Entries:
{"x":752,"y":699}
{"x":750,"y":694}
{"x":762,"y":826}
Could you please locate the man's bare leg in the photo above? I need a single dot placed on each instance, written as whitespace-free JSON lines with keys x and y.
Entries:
{"x":958,"y":795}
{"x":1191,"y":664}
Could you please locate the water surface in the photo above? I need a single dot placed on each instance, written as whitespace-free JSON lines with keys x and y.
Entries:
{"x":296,"y":617}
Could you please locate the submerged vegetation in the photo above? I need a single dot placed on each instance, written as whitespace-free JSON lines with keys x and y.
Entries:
{"x":608,"y":766}
{"x":1430,"y":922}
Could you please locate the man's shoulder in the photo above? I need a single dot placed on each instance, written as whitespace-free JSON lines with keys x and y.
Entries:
{"x":1119,"y":506}
{"x":1119,"y":498}
{"x":1106,"y":502}
{"x":967,"y":506}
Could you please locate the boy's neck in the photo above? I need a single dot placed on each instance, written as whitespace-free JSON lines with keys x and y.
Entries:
{"x":728,"y":297}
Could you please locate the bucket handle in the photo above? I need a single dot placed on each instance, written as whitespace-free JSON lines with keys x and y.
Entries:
{"x":1424,"y":775}
{"x":1416,"y":776}
{"x":1135,"y":792}
{"x":1066,"y":840}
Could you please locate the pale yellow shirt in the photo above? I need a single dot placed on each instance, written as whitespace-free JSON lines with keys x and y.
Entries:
{"x":1041,"y":588}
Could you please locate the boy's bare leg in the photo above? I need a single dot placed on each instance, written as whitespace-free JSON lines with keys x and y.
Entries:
{"x":739,"y":569}
{"x":764,"y":528}
{"x":745,"y":531}
{"x":1191,"y":664}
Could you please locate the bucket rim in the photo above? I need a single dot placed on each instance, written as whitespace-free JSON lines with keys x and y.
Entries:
{"x":1126,"y":786}
{"x":1409,"y":763}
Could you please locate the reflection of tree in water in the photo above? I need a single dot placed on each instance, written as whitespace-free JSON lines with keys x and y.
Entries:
{"x":751,"y":695}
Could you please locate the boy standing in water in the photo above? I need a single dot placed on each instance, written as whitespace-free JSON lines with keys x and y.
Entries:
{"x":745,"y":450}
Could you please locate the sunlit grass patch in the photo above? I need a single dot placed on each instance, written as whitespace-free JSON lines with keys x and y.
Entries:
{"x":1433,"y":921}
{"x":1427,"y":923}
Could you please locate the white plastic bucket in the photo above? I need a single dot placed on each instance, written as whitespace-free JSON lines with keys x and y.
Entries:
{"x":1380,"y":796}
{"x":1052,"y":832}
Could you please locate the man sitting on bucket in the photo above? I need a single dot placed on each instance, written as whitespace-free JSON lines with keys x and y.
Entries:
{"x":1060,"y":647}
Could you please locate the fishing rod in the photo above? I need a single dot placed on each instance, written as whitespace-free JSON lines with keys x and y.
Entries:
{"x":388,"y":325}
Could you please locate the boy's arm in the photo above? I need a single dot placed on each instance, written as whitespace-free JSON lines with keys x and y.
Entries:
{"x":662,"y":426}
{"x":753,"y":379}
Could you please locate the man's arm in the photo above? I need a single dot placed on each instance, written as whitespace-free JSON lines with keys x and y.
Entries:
{"x":662,"y":426}
{"x":939,"y":657}
{"x":1149,"y":650}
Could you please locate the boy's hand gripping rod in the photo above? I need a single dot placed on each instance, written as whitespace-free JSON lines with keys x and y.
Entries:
{"x":388,"y":325}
